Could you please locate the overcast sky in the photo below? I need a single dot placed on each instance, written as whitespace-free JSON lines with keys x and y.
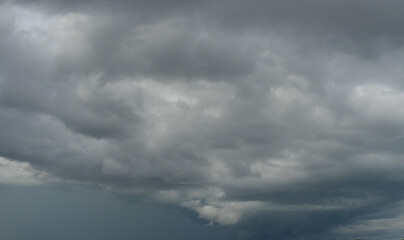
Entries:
{"x":225,"y":119}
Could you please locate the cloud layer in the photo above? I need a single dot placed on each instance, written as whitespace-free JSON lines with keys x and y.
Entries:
{"x":280,"y":118}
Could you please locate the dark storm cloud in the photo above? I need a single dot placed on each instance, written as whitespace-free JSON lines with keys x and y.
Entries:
{"x":280,"y":118}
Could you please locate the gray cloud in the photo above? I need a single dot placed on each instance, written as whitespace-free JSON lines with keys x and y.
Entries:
{"x":265,"y":116}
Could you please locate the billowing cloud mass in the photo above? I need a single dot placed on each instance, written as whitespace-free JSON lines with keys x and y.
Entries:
{"x":282,"y":119}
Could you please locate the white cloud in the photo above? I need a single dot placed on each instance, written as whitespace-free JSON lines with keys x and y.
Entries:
{"x":20,"y":173}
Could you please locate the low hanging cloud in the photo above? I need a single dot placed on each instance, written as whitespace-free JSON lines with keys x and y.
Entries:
{"x":20,"y":173}
{"x":282,"y":119}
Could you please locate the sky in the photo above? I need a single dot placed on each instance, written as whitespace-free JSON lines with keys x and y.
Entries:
{"x":225,"y":119}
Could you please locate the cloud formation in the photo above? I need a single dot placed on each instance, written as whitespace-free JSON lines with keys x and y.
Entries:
{"x":19,"y":173}
{"x":280,"y":118}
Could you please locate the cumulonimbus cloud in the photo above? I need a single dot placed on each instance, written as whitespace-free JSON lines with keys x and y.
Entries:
{"x":266,"y":115}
